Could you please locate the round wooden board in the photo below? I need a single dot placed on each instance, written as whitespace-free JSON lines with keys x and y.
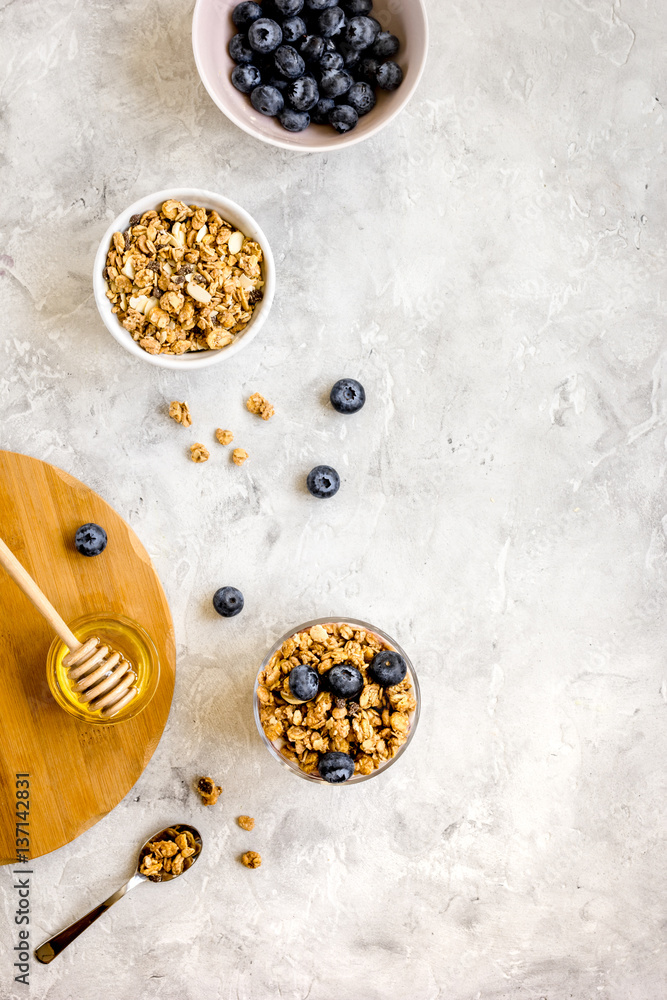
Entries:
{"x":78,"y":772}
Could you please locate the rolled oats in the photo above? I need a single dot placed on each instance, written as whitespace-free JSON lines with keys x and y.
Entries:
{"x":251,"y":859}
{"x":257,"y":404}
{"x":246,"y":822}
{"x":198,"y":453}
{"x":181,"y":279}
{"x":224,"y":437}
{"x":239,"y":455}
{"x":371,"y":729}
{"x":180,"y":413}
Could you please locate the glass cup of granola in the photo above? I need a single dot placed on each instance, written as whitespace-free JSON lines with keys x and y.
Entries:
{"x":336,"y":700}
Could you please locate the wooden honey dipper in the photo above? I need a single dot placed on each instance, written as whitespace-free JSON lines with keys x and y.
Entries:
{"x":102,"y":679}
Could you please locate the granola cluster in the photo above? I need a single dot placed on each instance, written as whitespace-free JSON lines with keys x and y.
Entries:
{"x":182,"y":279}
{"x":251,"y":859}
{"x":370,"y":729}
{"x":170,"y":856}
{"x":257,"y":404}
{"x":209,"y":791}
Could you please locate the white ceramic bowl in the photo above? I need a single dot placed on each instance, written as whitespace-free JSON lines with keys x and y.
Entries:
{"x":212,"y":28}
{"x":229,"y":211}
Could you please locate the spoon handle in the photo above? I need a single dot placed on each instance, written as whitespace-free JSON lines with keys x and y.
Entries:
{"x":48,"y":951}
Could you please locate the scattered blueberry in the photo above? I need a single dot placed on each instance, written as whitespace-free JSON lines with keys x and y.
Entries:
{"x":294,"y":28}
{"x":304,"y":682}
{"x":335,"y":767}
{"x":303,"y":94}
{"x":312,"y":48}
{"x":239,"y":49}
{"x":294,"y":121}
{"x":288,"y":8}
{"x":361,"y":97}
{"x":320,"y":113}
{"x":228,"y":601}
{"x":267,"y":100}
{"x":385,"y":45}
{"x":357,"y":7}
{"x":360,"y":32}
{"x":343,"y":118}
{"x":389,"y":75}
{"x":289,"y":63}
{"x":331,"y":60}
{"x":347,"y":395}
{"x":245,"y":13}
{"x":90,"y":540}
{"x":246,"y":78}
{"x":332,"y":22}
{"x":323,"y":481}
{"x":388,"y":668}
{"x":344,"y":681}
{"x":265,"y":35}
{"x":335,"y":82}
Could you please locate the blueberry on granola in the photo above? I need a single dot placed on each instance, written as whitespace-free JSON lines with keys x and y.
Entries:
{"x":304,"y":682}
{"x":335,"y":767}
{"x":347,"y":395}
{"x":323,"y":481}
{"x":90,"y":540}
{"x":228,"y":601}
{"x":388,"y":668}
{"x":344,"y":680}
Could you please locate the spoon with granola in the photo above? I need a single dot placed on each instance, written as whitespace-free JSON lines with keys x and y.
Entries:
{"x":164,"y":857}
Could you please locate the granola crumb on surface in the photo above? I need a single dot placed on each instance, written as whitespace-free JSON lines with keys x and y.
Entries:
{"x":180,"y":412}
{"x":251,"y":859}
{"x":209,"y":791}
{"x":224,"y":437}
{"x":198,"y":453}
{"x":239,"y":455}
{"x":246,"y":822}
{"x":257,"y":404}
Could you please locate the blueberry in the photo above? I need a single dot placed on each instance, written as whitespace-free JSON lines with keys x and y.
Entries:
{"x":361,"y":97}
{"x":312,"y":48}
{"x":293,"y":29}
{"x":367,"y":69}
{"x":323,"y":481}
{"x":335,"y":82}
{"x":357,"y":7}
{"x":265,"y":35}
{"x":320,"y":113}
{"x":228,"y":601}
{"x":385,"y":45}
{"x":331,"y":60}
{"x":360,"y":32}
{"x":239,"y":49}
{"x":288,"y":8}
{"x":335,"y":767}
{"x":90,"y":540}
{"x":267,"y":100}
{"x":344,"y":681}
{"x":347,"y":395}
{"x":246,"y":78}
{"x":294,"y":121}
{"x":289,"y":63}
{"x":388,"y":668}
{"x":343,"y":118}
{"x":320,"y":4}
{"x":304,"y":682}
{"x":332,"y":21}
{"x":279,"y":82}
{"x":350,"y":55}
{"x":245,"y":13}
{"x":389,"y":76}
{"x":303,"y":94}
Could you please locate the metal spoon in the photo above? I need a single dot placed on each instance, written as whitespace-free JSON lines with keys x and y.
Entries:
{"x":48,"y":951}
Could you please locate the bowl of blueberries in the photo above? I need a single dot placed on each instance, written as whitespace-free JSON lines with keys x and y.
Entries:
{"x":310,"y":75}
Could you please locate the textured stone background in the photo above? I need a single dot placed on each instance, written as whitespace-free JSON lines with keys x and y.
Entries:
{"x":492,"y":267}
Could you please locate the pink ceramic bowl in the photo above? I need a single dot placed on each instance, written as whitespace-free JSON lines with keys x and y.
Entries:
{"x":212,"y":28}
